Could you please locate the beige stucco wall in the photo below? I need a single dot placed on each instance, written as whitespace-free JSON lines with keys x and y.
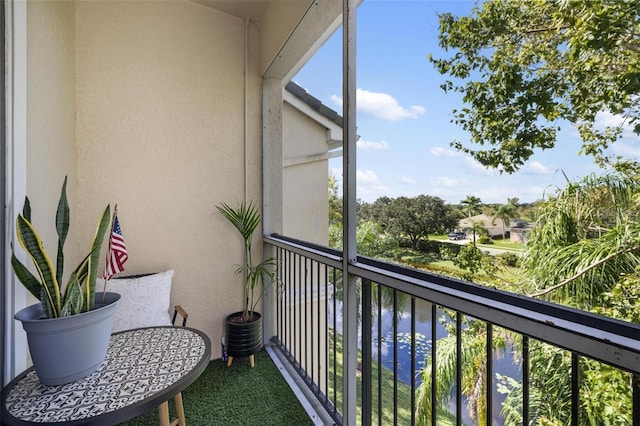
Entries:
{"x":160,"y":132}
{"x":278,"y":22}
{"x":305,"y":205}
{"x":50,"y":115}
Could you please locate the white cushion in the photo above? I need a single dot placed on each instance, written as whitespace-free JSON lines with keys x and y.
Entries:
{"x":144,"y":300}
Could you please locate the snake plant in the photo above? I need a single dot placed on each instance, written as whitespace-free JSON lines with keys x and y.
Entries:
{"x":79,"y":293}
{"x":245,"y":217}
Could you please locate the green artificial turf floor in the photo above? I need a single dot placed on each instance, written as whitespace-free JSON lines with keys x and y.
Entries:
{"x":237,"y":395}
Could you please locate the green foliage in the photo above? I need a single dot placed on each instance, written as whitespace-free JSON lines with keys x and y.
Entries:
{"x":508,"y":259}
{"x":245,"y":217}
{"x":471,"y":205}
{"x":605,"y":392}
{"x":586,"y":238}
{"x":335,"y":202}
{"x":372,"y":241}
{"x":504,"y":212}
{"x":525,"y":66}
{"x":79,"y":293}
{"x":485,"y":240}
{"x":412,"y":218}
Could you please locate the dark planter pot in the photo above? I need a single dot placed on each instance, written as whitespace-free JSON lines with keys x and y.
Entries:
{"x":243,"y":339}
{"x":67,"y":349}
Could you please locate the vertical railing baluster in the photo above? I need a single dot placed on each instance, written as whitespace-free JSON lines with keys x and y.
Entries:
{"x":413,"y":360}
{"x":311,"y":345}
{"x":395,"y":356}
{"x":289,"y":303}
{"x":335,"y":338}
{"x":280,"y":282}
{"x":635,"y":394}
{"x":366,"y":352}
{"x":458,"y":368}
{"x":434,"y":364}
{"x":525,"y":380}
{"x":298,"y":317}
{"x":305,"y":327}
{"x":325,"y":327}
{"x":489,"y":378}
{"x":575,"y":388}
{"x":379,"y":354}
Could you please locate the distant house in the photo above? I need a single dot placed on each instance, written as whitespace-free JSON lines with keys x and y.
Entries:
{"x":494,"y":227}
{"x":517,"y":229}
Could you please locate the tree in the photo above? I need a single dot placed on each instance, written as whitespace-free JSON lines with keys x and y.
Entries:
{"x":587,"y":238}
{"x":524,"y":67}
{"x":504,"y":212}
{"x":416,"y":218}
{"x":477,"y":227}
{"x":471,"y":205}
{"x":335,"y":202}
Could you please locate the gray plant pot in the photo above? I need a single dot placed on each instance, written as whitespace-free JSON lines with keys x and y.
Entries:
{"x":67,"y":349}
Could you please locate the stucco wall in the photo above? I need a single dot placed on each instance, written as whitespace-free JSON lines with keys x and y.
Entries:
{"x":50,"y":116}
{"x":305,"y":211}
{"x":160,"y":132}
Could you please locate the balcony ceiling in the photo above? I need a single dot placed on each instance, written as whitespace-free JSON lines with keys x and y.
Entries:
{"x":252,"y":9}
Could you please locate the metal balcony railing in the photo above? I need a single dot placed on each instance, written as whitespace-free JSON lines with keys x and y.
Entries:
{"x":409,"y":320}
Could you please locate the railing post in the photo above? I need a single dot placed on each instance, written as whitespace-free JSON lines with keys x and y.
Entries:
{"x":350,"y":323}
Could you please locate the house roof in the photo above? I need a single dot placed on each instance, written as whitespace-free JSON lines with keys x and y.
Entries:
{"x":314,"y":103}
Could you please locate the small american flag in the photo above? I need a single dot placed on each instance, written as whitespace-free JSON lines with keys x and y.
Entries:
{"x":117,"y":254}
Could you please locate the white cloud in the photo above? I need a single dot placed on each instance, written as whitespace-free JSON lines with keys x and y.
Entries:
{"x":438,"y":151}
{"x":446,"y":182}
{"x":372,"y":145}
{"x":608,"y":119}
{"x":367,"y":177}
{"x":369,"y":187}
{"x":406,"y":180}
{"x":536,"y":167}
{"x":478,"y":168}
{"x":382,"y":105}
{"x":626,"y":149}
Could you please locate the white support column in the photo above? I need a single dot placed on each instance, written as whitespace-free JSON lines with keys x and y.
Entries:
{"x":272,"y":136}
{"x":15,"y":180}
{"x":350,"y":337}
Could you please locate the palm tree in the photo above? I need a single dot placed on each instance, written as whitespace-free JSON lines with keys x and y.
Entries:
{"x":477,"y":227}
{"x":586,"y":239}
{"x":504,"y":212}
{"x":471,"y":205}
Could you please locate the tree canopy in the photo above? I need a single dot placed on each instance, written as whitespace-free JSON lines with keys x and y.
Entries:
{"x":526,"y":66}
{"x":413,"y":218}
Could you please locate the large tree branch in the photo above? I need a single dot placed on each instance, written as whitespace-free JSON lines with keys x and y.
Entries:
{"x":584,"y":271}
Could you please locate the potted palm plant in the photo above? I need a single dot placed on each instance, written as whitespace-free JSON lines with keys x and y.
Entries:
{"x":68,"y":331}
{"x":244,"y":328}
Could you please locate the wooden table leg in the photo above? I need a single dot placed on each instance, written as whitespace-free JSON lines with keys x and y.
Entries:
{"x":252,"y":361}
{"x":229,"y":361}
{"x":163,"y":412}
{"x":180,"y":410}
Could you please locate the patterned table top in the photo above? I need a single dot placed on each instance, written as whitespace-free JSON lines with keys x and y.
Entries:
{"x":142,"y":369}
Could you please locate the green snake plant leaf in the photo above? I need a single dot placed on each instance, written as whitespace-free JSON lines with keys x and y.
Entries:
{"x":62,"y":228}
{"x":25,"y":276}
{"x":26,"y":209}
{"x":32,"y":244}
{"x":73,"y":299}
{"x":89,"y":283}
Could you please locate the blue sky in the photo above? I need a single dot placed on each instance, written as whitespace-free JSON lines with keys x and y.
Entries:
{"x":404,"y":117}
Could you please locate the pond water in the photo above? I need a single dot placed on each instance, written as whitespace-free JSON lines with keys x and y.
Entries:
{"x":503,"y":363}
